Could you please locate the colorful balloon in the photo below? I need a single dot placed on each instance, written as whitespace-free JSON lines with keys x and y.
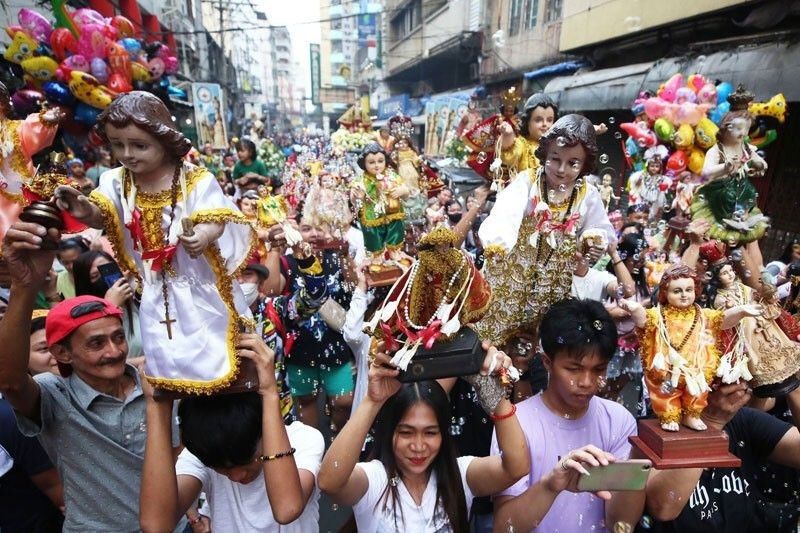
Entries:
{"x":719,"y":112}
{"x":676,"y":162}
{"x":86,"y":113}
{"x":689,"y":113}
{"x":140,"y":72}
{"x":684,"y":137}
{"x":118,"y":83}
{"x":664,"y":129}
{"x":35,"y":24}
{"x":671,"y":87}
{"x":99,"y":70}
{"x":707,"y":94}
{"x":705,"y":133}
{"x":21,"y":48}
{"x":85,"y":16}
{"x":58,"y":92}
{"x":62,"y":41}
{"x":156,"y":67}
{"x":685,"y":94}
{"x":696,"y":82}
{"x":696,"y":160}
{"x":640,"y":133}
{"x":92,"y":42}
{"x":171,"y":65}
{"x":775,"y":108}
{"x":123,"y":25}
{"x":27,"y":101}
{"x":724,"y":90}
{"x":132,"y":46}
{"x":88,"y":90}
{"x":42,"y":68}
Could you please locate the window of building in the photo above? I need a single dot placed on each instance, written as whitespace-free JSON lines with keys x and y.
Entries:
{"x":531,"y":14}
{"x":407,"y":20}
{"x":514,"y":17}
{"x":432,"y":6}
{"x":552,"y":10}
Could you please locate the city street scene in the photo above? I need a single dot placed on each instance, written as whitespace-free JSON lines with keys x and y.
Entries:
{"x":412,"y":266}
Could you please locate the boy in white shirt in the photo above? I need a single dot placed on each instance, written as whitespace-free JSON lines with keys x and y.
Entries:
{"x":258,"y":474}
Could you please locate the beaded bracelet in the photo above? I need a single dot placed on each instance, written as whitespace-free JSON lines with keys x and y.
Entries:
{"x":513,"y":410}
{"x":265,"y":458}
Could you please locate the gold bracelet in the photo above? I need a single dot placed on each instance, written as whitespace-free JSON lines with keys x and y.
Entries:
{"x":46,"y":121}
{"x":265,"y":458}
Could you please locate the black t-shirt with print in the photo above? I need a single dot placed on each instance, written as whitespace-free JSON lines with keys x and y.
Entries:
{"x":728,"y":499}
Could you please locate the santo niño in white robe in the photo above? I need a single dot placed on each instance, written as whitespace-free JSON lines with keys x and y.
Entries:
{"x":530,"y":248}
{"x":204,"y":297}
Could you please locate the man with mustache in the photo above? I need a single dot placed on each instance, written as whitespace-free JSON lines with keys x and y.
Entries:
{"x":92,"y":416}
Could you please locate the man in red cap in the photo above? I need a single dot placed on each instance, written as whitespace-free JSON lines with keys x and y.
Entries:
{"x":92,"y":417}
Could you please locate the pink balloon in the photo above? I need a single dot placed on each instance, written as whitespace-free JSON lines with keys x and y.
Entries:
{"x":163,"y":52}
{"x":685,"y":94}
{"x":86,"y":16}
{"x":689,"y":113}
{"x":92,"y":42}
{"x":35,"y":24}
{"x":171,"y":65}
{"x":654,"y":107}
{"x":671,"y":87}
{"x":707,"y":94}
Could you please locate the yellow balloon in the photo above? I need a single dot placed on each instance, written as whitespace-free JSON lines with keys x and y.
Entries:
{"x":140,"y":72}
{"x":41,"y":68}
{"x":705,"y":133}
{"x":684,"y":137}
{"x":696,"y":160}
{"x":88,"y":90}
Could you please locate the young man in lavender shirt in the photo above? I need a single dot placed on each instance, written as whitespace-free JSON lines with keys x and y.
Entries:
{"x":569,"y":428}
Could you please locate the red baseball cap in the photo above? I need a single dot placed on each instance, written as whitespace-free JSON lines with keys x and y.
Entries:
{"x":69,"y":315}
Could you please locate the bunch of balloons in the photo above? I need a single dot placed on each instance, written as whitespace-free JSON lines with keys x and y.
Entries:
{"x":82,"y":62}
{"x":684,"y":116}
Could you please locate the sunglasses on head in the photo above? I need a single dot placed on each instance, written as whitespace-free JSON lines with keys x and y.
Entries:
{"x":86,"y":308}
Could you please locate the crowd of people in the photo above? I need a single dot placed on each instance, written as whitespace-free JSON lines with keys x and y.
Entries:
{"x":201,"y":271}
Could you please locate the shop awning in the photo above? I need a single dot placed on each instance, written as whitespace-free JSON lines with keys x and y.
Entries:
{"x":765,"y":70}
{"x":610,"y":88}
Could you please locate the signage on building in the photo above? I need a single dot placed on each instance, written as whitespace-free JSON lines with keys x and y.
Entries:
{"x":209,"y":110}
{"x":367,"y":27}
{"x":337,"y":95}
{"x":315,"y":73}
{"x":392,"y":106}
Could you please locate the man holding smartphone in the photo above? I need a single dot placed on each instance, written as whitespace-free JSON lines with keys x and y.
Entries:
{"x":569,"y":429}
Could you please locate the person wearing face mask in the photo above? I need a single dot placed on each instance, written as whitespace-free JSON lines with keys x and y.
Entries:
{"x":275,"y":317}
{"x":89,"y":281}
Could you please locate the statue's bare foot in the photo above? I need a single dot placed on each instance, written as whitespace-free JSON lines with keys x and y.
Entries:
{"x":694,"y":423}
{"x":669,"y":426}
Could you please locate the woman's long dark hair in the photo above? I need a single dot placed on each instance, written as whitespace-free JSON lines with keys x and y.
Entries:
{"x":449,"y":490}
{"x":80,"y":271}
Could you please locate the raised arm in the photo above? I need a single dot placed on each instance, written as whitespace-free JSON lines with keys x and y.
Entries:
{"x":28,"y":265}
{"x":161,"y":500}
{"x":340,"y":477}
{"x":489,"y":475}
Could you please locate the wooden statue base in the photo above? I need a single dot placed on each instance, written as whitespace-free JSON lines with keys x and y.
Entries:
{"x":387,"y":275}
{"x":685,"y":448}
{"x":246,"y":380}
